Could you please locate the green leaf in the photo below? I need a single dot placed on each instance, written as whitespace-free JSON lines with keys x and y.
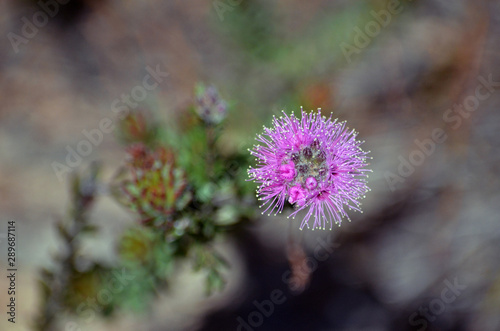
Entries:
{"x":226,"y":215}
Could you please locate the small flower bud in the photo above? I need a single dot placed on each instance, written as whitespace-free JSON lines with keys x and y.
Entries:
{"x":311,"y":183}
{"x":209,"y":106}
{"x":287,"y":171}
{"x":307,"y":152}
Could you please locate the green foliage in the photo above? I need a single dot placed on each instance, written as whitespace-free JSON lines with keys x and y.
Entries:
{"x":185,"y":193}
{"x":213,"y":264}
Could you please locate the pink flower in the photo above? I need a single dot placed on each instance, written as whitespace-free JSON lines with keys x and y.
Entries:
{"x":297,"y":194}
{"x":287,"y":171}
{"x":314,"y":163}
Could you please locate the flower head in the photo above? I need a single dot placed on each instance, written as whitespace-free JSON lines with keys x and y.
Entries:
{"x":315,"y":163}
{"x":209,"y":105}
{"x":156,"y":188}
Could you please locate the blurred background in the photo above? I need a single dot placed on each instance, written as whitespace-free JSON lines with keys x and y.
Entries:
{"x":418,"y":79}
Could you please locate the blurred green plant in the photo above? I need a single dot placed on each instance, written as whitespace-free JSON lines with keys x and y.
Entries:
{"x":138,"y":127}
{"x":186,"y":192}
{"x":156,"y":189}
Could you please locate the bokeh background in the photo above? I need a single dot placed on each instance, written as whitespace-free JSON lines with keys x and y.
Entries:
{"x":424,"y":227}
